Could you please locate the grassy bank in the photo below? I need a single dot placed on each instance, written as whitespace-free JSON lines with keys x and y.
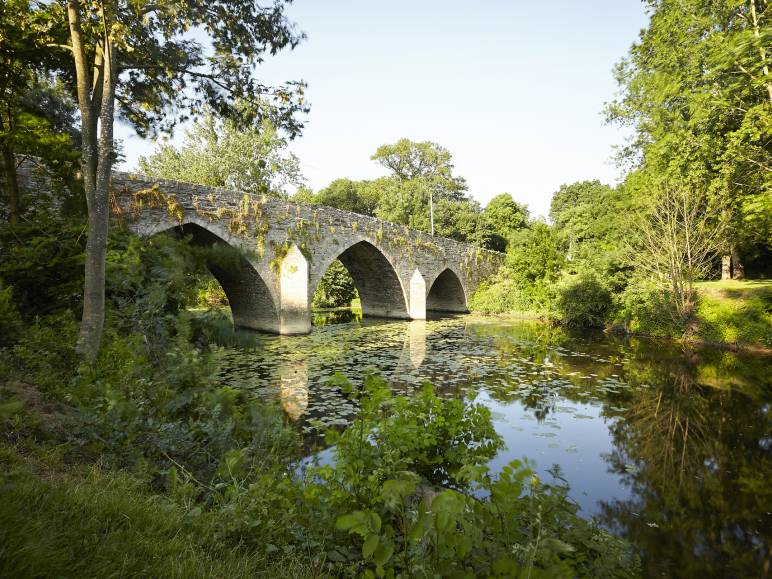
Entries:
{"x":737,"y":313}
{"x":89,"y":521}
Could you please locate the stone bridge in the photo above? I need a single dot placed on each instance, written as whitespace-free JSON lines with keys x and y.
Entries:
{"x":285,"y":249}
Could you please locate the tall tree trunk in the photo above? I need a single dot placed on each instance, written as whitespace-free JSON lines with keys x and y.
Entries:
{"x":10,"y":182}
{"x":726,"y":269}
{"x":738,"y":271}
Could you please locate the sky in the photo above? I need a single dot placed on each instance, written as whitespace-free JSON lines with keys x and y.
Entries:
{"x":514,"y":90}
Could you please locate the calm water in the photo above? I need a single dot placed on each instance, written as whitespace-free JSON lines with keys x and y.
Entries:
{"x":668,"y":446}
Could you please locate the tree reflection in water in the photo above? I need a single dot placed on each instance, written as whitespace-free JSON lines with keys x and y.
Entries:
{"x":697,"y":460}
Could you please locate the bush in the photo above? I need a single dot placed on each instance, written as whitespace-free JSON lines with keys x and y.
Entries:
{"x":582,"y":301}
{"x":500,"y":296}
{"x":507,"y":293}
{"x":210,"y":293}
{"x":645,"y":307}
{"x":42,"y":259}
{"x":10,"y":323}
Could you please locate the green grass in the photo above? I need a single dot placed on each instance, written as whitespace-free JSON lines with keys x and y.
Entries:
{"x":735,"y":312}
{"x":87,"y":521}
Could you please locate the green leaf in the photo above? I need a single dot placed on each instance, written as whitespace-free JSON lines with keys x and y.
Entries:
{"x":369,"y":546}
{"x":395,"y":491}
{"x":384,"y":552}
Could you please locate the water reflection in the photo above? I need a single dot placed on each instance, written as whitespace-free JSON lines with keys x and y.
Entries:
{"x":294,"y":388}
{"x":327,"y":317}
{"x":414,"y":349}
{"x":668,"y":446}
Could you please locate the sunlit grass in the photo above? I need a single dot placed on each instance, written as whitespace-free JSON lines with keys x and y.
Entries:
{"x":735,"y":312}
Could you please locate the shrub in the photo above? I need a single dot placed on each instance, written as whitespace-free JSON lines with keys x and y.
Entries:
{"x":10,"y":323}
{"x":210,"y":293}
{"x":42,"y":259}
{"x":500,"y":296}
{"x":646,"y":307}
{"x":582,"y":301}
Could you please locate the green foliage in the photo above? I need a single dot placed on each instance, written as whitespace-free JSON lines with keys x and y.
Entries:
{"x":10,"y":323}
{"x":218,"y":152}
{"x":94,"y":522}
{"x":348,"y":195}
{"x":524,"y":285}
{"x":426,"y":163}
{"x":593,"y":224}
{"x":336,"y":288}
{"x":737,"y":313}
{"x":42,"y":258}
{"x":644,"y":308}
{"x":697,"y":92}
{"x":500,"y":295}
{"x":44,"y":353}
{"x":209,"y":293}
{"x":383,"y":489}
{"x":582,"y":301}
{"x":502,"y":218}
{"x":418,"y":170}
{"x":32,"y":107}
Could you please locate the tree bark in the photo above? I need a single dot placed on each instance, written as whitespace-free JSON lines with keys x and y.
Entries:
{"x":11,"y":183}
{"x":738,"y":271}
{"x":726,"y":269}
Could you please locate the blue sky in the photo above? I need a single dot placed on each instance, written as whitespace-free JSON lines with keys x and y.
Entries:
{"x":515,"y":90}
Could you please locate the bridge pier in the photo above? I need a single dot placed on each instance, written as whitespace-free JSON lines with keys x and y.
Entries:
{"x":417,"y":296}
{"x":295,"y":312}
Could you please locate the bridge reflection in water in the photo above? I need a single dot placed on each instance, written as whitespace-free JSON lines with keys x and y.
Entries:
{"x":294,"y":375}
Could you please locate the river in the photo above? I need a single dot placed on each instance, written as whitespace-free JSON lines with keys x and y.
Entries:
{"x":667,"y":445}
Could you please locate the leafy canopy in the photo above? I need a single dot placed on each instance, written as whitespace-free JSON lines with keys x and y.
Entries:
{"x":218,"y":152}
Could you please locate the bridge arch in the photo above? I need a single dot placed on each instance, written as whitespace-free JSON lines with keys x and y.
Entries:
{"x":447,"y":293}
{"x":252,"y":304}
{"x":380,"y":289}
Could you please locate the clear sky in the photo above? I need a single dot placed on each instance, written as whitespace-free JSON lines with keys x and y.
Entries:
{"x":514,"y":89}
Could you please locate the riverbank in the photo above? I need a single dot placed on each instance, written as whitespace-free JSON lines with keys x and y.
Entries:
{"x":735,"y":315}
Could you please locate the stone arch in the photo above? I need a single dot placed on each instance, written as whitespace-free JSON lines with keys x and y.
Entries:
{"x":447,"y":293}
{"x":251,"y":302}
{"x":379,"y":287}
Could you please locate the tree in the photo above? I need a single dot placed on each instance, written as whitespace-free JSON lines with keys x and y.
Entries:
{"x":336,"y":288}
{"x":593,"y":223}
{"x":697,"y":90}
{"x":676,"y":243}
{"x":349,"y":195}
{"x":31,"y":106}
{"x":502,"y":217}
{"x":426,"y":167}
{"x":421,"y":174}
{"x":141,"y":57}
{"x":578,"y":211}
{"x":533,"y":255}
{"x":426,"y":162}
{"x":218,"y":152}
